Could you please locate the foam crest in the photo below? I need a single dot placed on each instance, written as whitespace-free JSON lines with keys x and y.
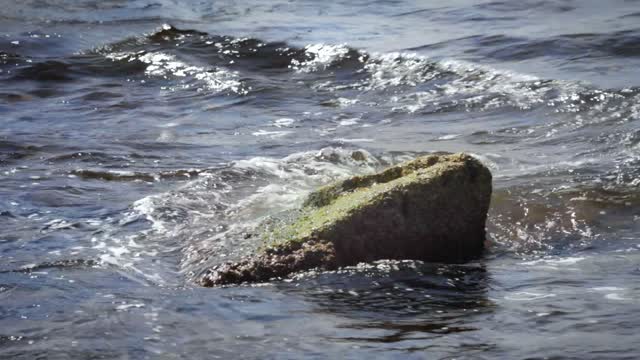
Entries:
{"x":396,"y":69}
{"x":468,"y":85}
{"x":166,"y":66}
{"x":319,"y":57}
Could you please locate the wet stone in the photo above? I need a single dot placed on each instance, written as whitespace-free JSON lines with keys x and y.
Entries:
{"x":432,"y":208}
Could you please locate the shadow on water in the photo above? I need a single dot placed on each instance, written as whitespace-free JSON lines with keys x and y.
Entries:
{"x":392,"y":302}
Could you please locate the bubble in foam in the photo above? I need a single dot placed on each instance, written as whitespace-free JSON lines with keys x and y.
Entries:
{"x":319,"y":57}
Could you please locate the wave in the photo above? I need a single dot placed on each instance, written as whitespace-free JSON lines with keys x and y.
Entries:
{"x":12,"y":151}
{"x":403,"y":82}
{"x":124,"y":175}
{"x":58,"y":264}
{"x":358,"y":84}
{"x":572,"y":47}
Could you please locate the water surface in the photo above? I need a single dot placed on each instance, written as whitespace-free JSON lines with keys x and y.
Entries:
{"x":141,"y":140}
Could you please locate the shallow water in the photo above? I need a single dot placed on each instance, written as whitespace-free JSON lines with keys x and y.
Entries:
{"x":141,"y":140}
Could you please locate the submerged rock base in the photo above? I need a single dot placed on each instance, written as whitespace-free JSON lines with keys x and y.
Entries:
{"x":432,"y":208}
{"x":274,"y":263}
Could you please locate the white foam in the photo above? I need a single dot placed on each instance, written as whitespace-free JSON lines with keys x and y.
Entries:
{"x":555,"y":262}
{"x":58,"y":224}
{"x":165,"y":65}
{"x":284,"y":122}
{"x":394,"y":69}
{"x":608,"y":288}
{"x":146,"y":207}
{"x":124,"y":307}
{"x":355,"y":140}
{"x":527,"y":296}
{"x":615,"y":296}
{"x":349,"y":122}
{"x":271,"y":134}
{"x":344,"y":102}
{"x":319,"y":57}
{"x":448,"y":137}
{"x":470,"y":85}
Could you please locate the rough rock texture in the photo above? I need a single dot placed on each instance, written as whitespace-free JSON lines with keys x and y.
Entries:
{"x":274,"y":262}
{"x":432,"y":208}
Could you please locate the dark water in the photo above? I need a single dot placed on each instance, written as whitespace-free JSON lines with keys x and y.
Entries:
{"x":133,"y":153}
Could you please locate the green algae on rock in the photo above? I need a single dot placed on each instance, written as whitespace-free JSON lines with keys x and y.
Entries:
{"x":432,"y":208}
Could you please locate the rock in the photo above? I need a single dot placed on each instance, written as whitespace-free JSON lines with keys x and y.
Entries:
{"x":432,"y":208}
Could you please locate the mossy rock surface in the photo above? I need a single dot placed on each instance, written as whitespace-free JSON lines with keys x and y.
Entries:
{"x":432,"y":208}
